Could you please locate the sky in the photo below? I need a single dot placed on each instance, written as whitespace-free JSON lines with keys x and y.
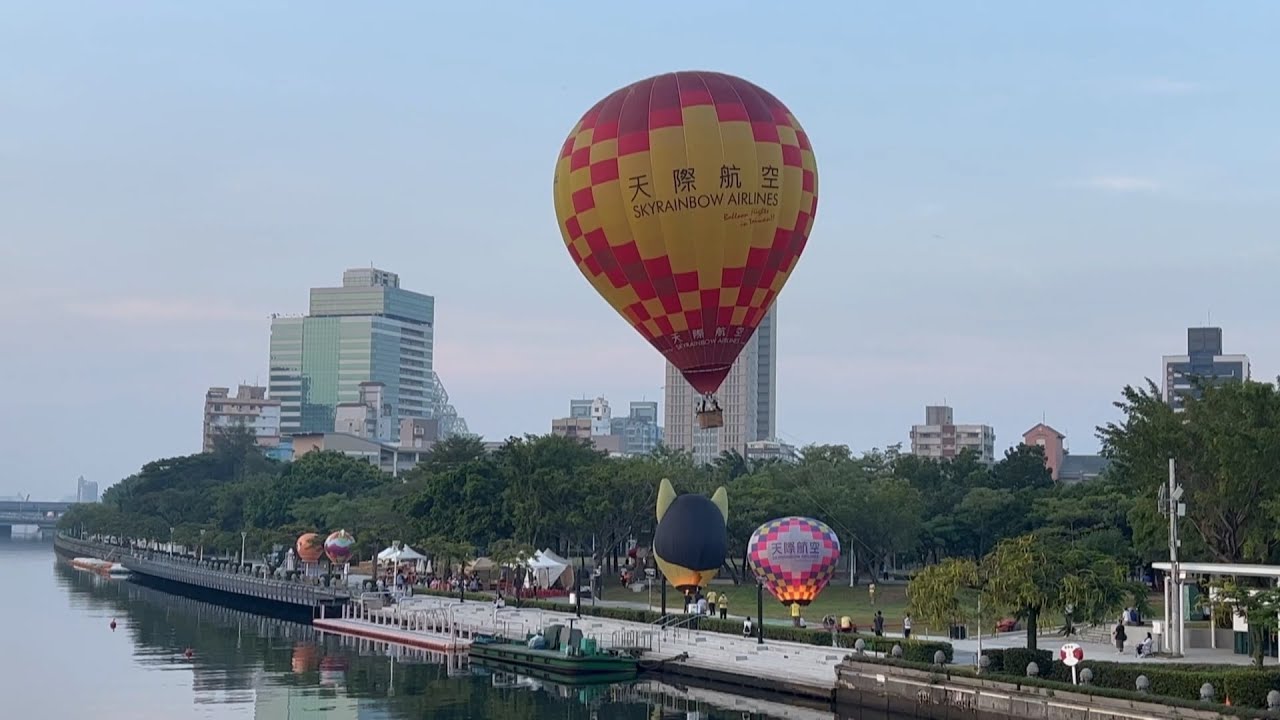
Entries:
{"x":1022,"y":206}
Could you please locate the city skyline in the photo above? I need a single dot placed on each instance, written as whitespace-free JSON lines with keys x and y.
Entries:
{"x":1023,"y":207}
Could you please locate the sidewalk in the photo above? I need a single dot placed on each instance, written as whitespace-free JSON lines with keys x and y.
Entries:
{"x":810,"y":666}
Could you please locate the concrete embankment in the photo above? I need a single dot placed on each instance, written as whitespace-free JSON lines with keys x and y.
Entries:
{"x":919,"y":693}
{"x":288,"y":600}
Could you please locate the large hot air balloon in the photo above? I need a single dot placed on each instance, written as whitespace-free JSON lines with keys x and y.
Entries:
{"x":310,"y":547}
{"x":691,"y":539}
{"x":686,"y":200}
{"x":338,"y":547}
{"x":794,"y":557}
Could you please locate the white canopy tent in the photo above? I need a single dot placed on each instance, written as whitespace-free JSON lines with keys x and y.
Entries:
{"x":546,"y":569}
{"x":400,"y":554}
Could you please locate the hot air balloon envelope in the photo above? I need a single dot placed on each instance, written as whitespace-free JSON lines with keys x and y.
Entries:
{"x":794,"y":557}
{"x":339,"y":546}
{"x":309,"y":547}
{"x":691,"y":540}
{"x":686,"y":200}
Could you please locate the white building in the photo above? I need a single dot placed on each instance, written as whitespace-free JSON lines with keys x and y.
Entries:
{"x":748,"y":398}
{"x":940,"y":438}
{"x":250,"y":409}
{"x":368,"y":418}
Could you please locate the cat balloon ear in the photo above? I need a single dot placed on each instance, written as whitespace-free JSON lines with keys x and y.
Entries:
{"x":721,"y":499}
{"x":666,"y":496}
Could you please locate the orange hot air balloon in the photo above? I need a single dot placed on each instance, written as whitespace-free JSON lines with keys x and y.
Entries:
{"x":686,"y":200}
{"x":310,"y":547}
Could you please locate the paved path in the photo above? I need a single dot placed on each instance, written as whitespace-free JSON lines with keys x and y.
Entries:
{"x":809,"y":665}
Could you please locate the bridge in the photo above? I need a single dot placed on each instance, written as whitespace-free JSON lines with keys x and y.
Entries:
{"x":25,"y":512}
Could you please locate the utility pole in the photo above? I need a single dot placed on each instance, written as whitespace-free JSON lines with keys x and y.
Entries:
{"x":1170,"y":505}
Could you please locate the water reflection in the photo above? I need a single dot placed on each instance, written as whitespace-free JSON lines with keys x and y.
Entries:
{"x":243,"y":665}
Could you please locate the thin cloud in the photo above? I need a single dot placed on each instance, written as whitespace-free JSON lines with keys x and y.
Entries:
{"x":1167,"y":86}
{"x":142,"y":310}
{"x":1122,"y":184}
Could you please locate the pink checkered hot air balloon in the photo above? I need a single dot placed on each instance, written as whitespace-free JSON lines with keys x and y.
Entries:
{"x":794,"y":557}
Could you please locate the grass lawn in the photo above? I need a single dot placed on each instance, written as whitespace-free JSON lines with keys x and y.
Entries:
{"x":837,"y":600}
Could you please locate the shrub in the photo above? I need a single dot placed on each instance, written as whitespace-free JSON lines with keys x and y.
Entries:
{"x":1248,"y":688}
{"x":1245,"y":686}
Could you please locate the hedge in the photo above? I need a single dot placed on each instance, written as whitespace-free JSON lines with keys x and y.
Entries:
{"x":919,"y":650}
{"x":1244,"y":685}
{"x":1236,"y":709}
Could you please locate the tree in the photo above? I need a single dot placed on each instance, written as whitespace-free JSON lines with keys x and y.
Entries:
{"x":1260,"y":607}
{"x":1033,"y":574}
{"x":1227,"y":451}
{"x":934,"y":593}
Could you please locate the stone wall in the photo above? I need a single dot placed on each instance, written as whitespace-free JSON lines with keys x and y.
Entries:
{"x":919,"y":693}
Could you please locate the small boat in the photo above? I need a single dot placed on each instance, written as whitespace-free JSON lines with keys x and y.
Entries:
{"x":105,"y":568}
{"x":562,"y":651}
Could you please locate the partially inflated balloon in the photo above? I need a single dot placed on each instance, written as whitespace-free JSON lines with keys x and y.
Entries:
{"x":686,"y":200}
{"x":794,"y":557}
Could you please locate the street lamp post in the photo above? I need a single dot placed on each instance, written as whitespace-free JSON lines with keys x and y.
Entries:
{"x":170,"y":543}
{"x":200,"y":556}
{"x":759,"y":612}
{"x":243,"y":536}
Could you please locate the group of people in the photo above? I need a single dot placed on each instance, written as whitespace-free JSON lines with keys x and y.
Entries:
{"x":709,"y":604}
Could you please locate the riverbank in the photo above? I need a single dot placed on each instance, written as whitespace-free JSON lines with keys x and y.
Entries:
{"x":936,"y":693}
{"x":285,"y":599}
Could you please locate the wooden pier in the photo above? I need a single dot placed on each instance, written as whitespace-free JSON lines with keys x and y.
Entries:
{"x":299,"y":600}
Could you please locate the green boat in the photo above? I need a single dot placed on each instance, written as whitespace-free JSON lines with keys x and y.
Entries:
{"x":564,"y":651}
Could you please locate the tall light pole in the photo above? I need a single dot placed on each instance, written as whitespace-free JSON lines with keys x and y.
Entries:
{"x":200,"y":558}
{"x":243,"y":535}
{"x":1170,"y":496}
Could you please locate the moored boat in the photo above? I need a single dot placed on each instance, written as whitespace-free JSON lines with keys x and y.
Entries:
{"x":105,"y":568}
{"x":560,"y":650}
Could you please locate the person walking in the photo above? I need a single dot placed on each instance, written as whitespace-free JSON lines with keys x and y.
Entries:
{"x":711,"y":602}
{"x":722,"y":602}
{"x":1119,"y":636}
{"x":877,"y":624}
{"x":871,"y":592}
{"x":795,"y":615}
{"x":906,"y":626}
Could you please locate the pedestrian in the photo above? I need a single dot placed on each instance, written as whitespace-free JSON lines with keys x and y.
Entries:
{"x":711,"y":602}
{"x":871,"y":591}
{"x":877,"y":624}
{"x":795,"y":614}
{"x":723,"y":604}
{"x":1119,"y":636}
{"x":906,"y":626}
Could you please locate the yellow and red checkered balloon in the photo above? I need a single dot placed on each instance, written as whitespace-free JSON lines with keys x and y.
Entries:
{"x":686,"y":200}
{"x":794,"y":557}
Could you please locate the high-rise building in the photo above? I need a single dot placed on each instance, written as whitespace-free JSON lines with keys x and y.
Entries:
{"x":640,"y":432}
{"x":748,"y":398}
{"x":368,"y":330}
{"x":86,"y":491}
{"x":1204,"y":364}
{"x":939,"y":437}
{"x":250,"y":409}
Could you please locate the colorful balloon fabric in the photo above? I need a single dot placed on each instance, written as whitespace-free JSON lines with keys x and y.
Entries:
{"x":691,"y":540}
{"x":339,"y":546}
{"x":686,"y":200}
{"x":309,"y":547}
{"x":794,"y":557}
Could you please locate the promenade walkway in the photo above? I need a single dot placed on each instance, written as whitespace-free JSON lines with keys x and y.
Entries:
{"x":784,"y":666}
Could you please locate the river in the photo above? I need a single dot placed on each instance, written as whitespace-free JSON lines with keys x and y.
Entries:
{"x":61,"y":660}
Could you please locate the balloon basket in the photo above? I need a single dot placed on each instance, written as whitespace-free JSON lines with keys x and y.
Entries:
{"x":708,"y":419}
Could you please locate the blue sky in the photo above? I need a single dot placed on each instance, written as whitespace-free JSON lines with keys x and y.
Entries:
{"x":1022,"y":208}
